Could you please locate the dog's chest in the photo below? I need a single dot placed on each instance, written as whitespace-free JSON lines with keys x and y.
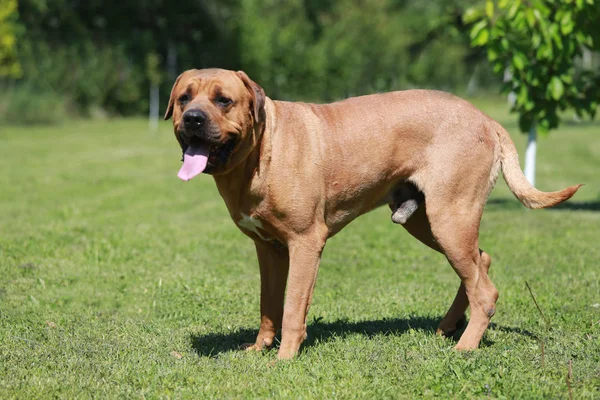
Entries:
{"x":254,"y":225}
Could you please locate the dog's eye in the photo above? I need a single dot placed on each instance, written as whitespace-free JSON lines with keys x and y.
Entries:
{"x":184,"y":99}
{"x":223,"y":101}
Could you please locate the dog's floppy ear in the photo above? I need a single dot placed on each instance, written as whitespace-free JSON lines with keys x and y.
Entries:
{"x":169,"y":112}
{"x":258,"y":97}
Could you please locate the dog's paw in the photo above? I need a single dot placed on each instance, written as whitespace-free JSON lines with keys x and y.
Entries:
{"x":444,"y":333}
{"x":251,"y":347}
{"x":465,"y":347}
{"x":449,"y":328}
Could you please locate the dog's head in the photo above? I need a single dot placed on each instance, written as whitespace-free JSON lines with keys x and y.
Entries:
{"x":217,"y":119}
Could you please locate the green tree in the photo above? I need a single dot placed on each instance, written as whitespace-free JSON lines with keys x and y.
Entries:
{"x":9,"y":65}
{"x":327,"y":50}
{"x":278,"y":48}
{"x":540,"y":43}
{"x":94,"y":52}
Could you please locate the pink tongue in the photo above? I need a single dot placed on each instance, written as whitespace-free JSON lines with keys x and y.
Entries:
{"x":194,"y":162}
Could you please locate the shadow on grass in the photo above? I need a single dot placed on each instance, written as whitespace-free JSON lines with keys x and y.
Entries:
{"x":513,"y":330}
{"x":213,"y":344}
{"x":512,"y":204}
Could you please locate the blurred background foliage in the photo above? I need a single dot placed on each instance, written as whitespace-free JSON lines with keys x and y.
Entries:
{"x":99,"y":57}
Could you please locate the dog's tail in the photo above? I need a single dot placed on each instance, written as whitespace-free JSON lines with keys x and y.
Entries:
{"x":516,"y":181}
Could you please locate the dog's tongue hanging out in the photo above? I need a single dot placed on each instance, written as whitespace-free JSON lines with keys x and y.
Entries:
{"x":194,"y":161}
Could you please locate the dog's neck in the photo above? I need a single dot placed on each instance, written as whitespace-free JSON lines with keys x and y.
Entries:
{"x":242,"y":188}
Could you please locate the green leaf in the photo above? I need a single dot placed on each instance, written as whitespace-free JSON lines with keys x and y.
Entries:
{"x":519,"y":61}
{"x":567,"y":28}
{"x":492,"y":54}
{"x":543,"y":29}
{"x":540,"y":6}
{"x":482,"y":38}
{"x":471,"y":15}
{"x":514,"y":9}
{"x":489,"y":9}
{"x":566,"y":23}
{"x":530,"y":17}
{"x":523,"y":99}
{"x":566,"y":18}
{"x":556,"y":88}
{"x":543,"y":126}
{"x":477,"y":28}
{"x":567,"y":78}
{"x":554,"y":31}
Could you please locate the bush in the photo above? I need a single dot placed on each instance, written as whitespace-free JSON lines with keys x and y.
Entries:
{"x":23,"y":105}
{"x":91,"y":76}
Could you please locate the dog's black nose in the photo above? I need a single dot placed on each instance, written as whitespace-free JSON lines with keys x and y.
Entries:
{"x":193,"y":119}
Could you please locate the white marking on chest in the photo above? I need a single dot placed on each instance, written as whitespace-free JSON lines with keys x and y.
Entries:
{"x":252,"y":224}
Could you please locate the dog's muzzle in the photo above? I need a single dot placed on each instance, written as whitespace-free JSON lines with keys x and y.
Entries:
{"x":193,"y":120}
{"x":203,"y":148}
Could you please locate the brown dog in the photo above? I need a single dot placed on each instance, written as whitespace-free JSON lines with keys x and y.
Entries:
{"x":293,"y":175}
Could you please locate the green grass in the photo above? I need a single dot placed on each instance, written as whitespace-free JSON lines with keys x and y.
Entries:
{"x":111,"y":269}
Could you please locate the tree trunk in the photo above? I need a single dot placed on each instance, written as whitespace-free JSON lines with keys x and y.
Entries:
{"x":530,"y":154}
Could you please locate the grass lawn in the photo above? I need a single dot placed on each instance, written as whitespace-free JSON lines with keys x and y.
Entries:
{"x":119,"y":280}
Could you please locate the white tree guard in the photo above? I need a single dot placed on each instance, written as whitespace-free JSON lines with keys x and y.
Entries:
{"x":530,"y":154}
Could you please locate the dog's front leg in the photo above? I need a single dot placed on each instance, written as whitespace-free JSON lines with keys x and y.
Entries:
{"x":274,"y":262}
{"x":305,"y":256}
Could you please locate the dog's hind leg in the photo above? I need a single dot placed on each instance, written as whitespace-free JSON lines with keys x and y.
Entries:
{"x":455,"y":317}
{"x":418,"y":226}
{"x":455,"y":228}
{"x":455,"y":195}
